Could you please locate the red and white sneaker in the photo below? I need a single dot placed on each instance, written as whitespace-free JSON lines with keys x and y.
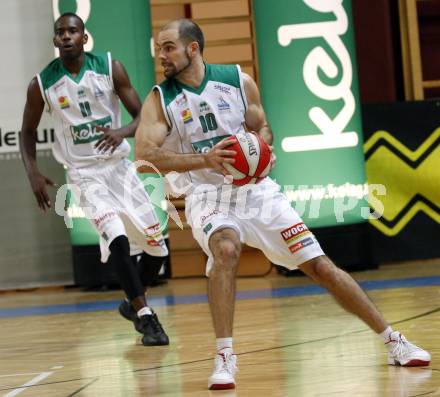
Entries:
{"x":225,"y":367}
{"x":401,"y":352}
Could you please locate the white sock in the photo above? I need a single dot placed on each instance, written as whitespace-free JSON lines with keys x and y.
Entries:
{"x":386,"y":335}
{"x":144,"y":311}
{"x":224,"y":343}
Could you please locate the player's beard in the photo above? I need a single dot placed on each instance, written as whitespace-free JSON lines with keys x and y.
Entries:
{"x":182,"y":69}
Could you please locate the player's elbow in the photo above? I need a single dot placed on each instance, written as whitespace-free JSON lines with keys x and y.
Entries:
{"x":138,"y":153}
{"x":143,"y":159}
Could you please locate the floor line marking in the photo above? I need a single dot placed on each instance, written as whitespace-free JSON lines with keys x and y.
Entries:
{"x":171,"y":300}
{"x":143,"y":371}
{"x":32,"y":382}
{"x":26,"y":374}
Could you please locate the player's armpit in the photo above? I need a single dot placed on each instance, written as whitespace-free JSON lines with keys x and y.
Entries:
{"x":125,"y":90}
{"x":255,"y":116}
{"x":128,"y":96}
{"x":151,"y":132}
{"x":150,"y":136}
{"x":153,"y":128}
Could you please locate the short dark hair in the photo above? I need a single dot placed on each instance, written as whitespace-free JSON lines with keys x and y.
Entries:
{"x":70,"y":14}
{"x":189,"y":31}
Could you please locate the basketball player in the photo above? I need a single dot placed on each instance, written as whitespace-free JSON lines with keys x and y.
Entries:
{"x":184,"y":122}
{"x":82,"y":91}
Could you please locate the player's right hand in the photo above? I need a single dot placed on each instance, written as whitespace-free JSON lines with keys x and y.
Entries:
{"x":273,"y":158}
{"x":109,"y":141}
{"x":39,"y":186}
{"x":218,"y":155}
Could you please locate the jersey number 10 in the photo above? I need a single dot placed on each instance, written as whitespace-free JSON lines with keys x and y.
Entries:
{"x":208,"y":122}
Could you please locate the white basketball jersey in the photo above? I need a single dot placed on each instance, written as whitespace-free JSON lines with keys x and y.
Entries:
{"x":79,"y":104}
{"x":201,"y":117}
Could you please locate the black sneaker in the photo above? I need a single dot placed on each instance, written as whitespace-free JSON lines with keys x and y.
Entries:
{"x":154,"y":334}
{"x":127,"y":311}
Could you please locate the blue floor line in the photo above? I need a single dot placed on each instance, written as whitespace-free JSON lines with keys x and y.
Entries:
{"x":171,"y":300}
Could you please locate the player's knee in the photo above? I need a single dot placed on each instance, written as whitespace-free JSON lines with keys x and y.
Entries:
{"x":324,"y":268}
{"x":226,"y":253}
{"x":120,"y":246}
{"x":320,"y":268}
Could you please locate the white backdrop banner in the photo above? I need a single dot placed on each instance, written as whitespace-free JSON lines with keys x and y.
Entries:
{"x":35,"y":247}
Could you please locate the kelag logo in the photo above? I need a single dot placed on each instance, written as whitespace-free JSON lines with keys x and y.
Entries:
{"x":206,"y":144}
{"x":87,"y":132}
{"x":308,"y":81}
{"x":332,"y":134}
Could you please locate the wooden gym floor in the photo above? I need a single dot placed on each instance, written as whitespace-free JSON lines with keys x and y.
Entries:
{"x":290,"y":337}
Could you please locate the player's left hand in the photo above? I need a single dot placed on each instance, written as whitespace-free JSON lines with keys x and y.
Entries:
{"x":109,"y":141}
{"x":273,"y":157}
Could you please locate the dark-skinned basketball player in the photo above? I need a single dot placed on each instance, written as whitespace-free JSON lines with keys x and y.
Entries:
{"x":82,"y":91}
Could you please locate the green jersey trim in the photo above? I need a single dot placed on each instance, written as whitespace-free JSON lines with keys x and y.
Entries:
{"x":169,"y":90}
{"x":162,"y":102}
{"x":198,"y":90}
{"x":43,"y":93}
{"x":227,"y":74}
{"x":55,"y":70}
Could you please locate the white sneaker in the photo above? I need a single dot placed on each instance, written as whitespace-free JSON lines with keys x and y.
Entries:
{"x":402,"y":352}
{"x":225,"y":367}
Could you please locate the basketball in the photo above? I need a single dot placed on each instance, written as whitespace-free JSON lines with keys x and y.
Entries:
{"x":252,"y":161}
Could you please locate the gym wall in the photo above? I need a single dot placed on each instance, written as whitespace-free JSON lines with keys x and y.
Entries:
{"x":34,"y":247}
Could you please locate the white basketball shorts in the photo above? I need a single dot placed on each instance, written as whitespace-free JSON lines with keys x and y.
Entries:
{"x":114,"y":199}
{"x":262,"y":217}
